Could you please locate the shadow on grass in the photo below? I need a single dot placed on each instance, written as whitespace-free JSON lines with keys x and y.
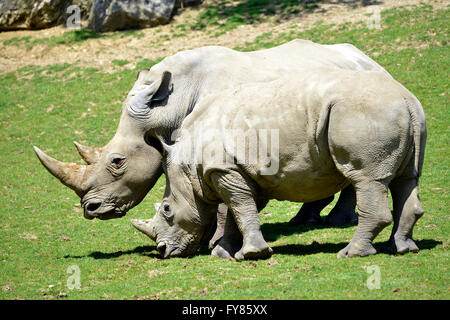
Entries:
{"x":141,"y":250}
{"x":148,"y":251}
{"x":289,"y":249}
{"x":273,"y":231}
{"x":315,"y":247}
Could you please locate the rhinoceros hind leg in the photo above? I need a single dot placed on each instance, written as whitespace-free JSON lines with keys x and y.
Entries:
{"x":343,"y":212}
{"x":407,"y":210}
{"x":309,"y":213}
{"x":374,"y":216}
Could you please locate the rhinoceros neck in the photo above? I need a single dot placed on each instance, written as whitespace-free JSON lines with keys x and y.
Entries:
{"x":129,"y":126}
{"x":166,"y":119}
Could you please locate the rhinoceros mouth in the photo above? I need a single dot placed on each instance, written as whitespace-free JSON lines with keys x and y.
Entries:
{"x":112,"y":214}
{"x":168,"y":251}
{"x":106,"y":214}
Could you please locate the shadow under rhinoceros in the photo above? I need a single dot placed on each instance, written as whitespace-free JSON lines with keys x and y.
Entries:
{"x":315,"y":247}
{"x":149,"y":251}
{"x":273,"y":231}
{"x":288,"y":249}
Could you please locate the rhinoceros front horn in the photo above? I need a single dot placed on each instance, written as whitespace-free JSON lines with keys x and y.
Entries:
{"x":146,"y":227}
{"x":90,"y":155}
{"x":70,"y":174}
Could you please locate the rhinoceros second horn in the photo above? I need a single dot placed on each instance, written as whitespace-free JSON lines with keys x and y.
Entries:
{"x":90,"y":155}
{"x":145,"y":226}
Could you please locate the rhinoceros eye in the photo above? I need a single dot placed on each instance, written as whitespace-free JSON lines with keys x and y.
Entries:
{"x":166,"y":211}
{"x":118,"y":162}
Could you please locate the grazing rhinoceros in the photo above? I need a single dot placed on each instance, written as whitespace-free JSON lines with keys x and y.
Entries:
{"x":119,"y":175}
{"x":165,"y":94}
{"x":328,"y":129}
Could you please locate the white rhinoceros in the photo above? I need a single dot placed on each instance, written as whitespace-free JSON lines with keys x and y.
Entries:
{"x":329,"y":129}
{"x":165,"y":94}
{"x":119,"y":175}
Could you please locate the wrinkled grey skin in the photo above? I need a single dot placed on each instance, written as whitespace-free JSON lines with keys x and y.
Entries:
{"x":342,"y":127}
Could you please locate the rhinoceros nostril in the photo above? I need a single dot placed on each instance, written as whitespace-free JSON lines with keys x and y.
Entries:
{"x":161,"y":248}
{"x":92,"y":206}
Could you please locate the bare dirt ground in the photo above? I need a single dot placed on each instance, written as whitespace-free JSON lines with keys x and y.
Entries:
{"x":153,"y":43}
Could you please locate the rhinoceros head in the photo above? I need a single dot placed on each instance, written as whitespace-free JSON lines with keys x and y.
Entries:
{"x":183,"y":219}
{"x":117,"y":177}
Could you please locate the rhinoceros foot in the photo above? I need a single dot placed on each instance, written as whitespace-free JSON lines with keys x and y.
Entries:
{"x":229,"y":244}
{"x":402,"y":245}
{"x":355,"y":248}
{"x":255,"y":247}
{"x":223,"y":252}
{"x":253,"y":253}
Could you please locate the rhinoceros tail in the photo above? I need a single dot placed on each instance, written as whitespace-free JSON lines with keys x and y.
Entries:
{"x":419,"y":134}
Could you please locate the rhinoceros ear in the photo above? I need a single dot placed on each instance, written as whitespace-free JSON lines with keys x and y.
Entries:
{"x":144,"y":94}
{"x":164,"y":88}
{"x":142,"y":73}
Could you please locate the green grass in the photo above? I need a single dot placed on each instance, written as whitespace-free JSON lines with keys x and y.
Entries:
{"x":43,"y":232}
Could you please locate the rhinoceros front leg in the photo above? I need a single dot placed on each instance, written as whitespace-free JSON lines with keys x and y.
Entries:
{"x":231,"y":241}
{"x":343,"y":212}
{"x":309,"y":213}
{"x":239,"y":195}
{"x":221,"y":220}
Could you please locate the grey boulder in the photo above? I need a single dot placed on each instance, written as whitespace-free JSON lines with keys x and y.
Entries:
{"x":110,"y":15}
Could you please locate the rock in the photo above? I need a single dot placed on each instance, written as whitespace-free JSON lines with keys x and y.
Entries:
{"x":110,"y":15}
{"x":37,"y":14}
{"x":28,"y":14}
